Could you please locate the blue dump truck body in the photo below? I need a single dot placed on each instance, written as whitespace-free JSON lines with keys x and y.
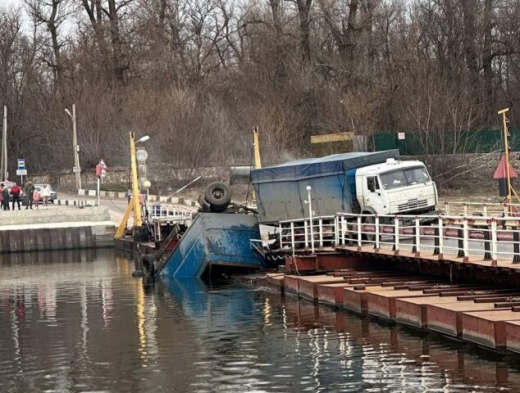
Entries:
{"x":214,"y":239}
{"x":281,"y":189}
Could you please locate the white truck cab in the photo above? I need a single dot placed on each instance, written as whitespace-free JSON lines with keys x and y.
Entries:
{"x":396,"y":187}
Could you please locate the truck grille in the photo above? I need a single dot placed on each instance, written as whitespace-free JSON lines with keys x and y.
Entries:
{"x":412,"y":204}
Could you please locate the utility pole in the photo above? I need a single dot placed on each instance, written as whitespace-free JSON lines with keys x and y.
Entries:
{"x":75,"y":146}
{"x":3,"y":166}
{"x":503,"y":112}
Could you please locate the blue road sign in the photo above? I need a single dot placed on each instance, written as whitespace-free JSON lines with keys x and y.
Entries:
{"x":21,"y":163}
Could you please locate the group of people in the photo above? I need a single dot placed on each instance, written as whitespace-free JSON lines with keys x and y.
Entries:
{"x":32,"y":194}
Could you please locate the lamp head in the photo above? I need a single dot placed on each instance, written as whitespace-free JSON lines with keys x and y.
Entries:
{"x":143,"y":139}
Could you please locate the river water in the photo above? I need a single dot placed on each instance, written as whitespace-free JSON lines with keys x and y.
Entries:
{"x":78,"y":322}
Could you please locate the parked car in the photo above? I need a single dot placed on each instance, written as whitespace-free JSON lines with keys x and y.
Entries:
{"x":54,"y":194}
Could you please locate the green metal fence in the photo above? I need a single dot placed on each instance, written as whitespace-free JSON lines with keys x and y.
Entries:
{"x":483,"y":141}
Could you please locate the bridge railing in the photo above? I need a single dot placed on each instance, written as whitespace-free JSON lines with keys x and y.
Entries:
{"x":485,"y":209}
{"x":169,"y":213}
{"x":484,"y":238}
{"x":304,"y":233}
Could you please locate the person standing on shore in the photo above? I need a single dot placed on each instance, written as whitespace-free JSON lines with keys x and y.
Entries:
{"x":29,"y":193}
{"x":46,"y":194}
{"x":5,"y":196}
{"x":15,"y":192}
{"x":36,"y":197}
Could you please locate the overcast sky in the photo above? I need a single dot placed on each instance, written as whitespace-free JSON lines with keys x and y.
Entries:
{"x":11,"y":2}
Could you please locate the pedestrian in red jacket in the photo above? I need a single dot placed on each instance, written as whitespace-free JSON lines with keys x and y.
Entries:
{"x":15,"y":192}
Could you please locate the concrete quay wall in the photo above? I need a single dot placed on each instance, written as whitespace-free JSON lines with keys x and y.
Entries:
{"x":52,"y":215}
{"x":45,"y":239}
{"x":53,"y":229}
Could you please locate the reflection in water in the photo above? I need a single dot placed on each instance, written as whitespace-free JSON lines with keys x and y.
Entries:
{"x":79,"y":322}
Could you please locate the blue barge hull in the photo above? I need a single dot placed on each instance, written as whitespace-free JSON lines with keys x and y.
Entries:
{"x":214,"y":239}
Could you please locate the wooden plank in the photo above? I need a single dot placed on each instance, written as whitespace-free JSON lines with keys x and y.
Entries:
{"x":327,"y":138}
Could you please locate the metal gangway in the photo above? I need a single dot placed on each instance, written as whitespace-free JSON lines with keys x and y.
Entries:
{"x":480,"y":239}
{"x":484,"y":209}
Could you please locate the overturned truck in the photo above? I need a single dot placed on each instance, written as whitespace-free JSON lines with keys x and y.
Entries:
{"x":376,"y":183}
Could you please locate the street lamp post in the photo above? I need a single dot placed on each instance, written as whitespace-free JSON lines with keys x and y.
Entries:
{"x":135,"y":186}
{"x":309,"y":188}
{"x":75,"y":146}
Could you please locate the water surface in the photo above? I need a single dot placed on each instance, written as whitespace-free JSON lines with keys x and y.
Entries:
{"x":78,"y":322}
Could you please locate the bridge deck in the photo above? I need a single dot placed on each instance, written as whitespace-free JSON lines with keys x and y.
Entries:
{"x":477,"y":261}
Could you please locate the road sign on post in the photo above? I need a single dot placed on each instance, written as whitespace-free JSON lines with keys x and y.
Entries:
{"x":21,"y":170}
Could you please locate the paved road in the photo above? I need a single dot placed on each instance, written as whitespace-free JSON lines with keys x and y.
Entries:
{"x":116,"y":207}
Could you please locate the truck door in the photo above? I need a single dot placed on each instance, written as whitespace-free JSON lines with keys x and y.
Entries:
{"x":373,"y":196}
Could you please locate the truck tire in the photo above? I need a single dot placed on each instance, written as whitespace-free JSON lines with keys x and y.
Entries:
{"x":148,"y":265}
{"x":204,"y":205}
{"x":218,"y":195}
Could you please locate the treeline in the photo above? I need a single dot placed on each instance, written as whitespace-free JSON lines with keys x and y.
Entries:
{"x":198,"y":75}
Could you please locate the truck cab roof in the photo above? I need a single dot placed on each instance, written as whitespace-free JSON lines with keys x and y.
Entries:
{"x":389,"y":165}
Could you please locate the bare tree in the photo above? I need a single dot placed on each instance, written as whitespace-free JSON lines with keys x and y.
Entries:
{"x":52,"y":15}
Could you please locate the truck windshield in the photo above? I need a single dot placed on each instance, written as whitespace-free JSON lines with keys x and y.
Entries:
{"x":404,"y":177}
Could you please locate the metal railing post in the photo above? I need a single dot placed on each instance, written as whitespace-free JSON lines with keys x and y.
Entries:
{"x":417,"y":237}
{"x":441,"y":238}
{"x":342,"y":230}
{"x":293,"y":245}
{"x":306,"y":233}
{"x":494,"y":244}
{"x":465,"y":207}
{"x":320,"y":229}
{"x":312,"y":235}
{"x":465,"y":237}
{"x":359,"y":234}
{"x":376,"y":246}
{"x":487,"y":241}
{"x":485,"y":210}
{"x":336,"y":231}
{"x":516,"y":244}
{"x":447,"y":208}
{"x":396,"y":235}
{"x":281,"y":235}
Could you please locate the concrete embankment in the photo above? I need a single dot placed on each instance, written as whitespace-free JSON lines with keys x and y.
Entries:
{"x":56,"y":228}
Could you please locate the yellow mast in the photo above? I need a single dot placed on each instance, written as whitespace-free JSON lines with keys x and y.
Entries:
{"x":134,"y":204}
{"x":135,"y":186}
{"x":256,"y":144}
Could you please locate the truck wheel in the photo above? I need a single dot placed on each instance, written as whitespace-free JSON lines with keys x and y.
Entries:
{"x":204,"y":205}
{"x":218,"y":195}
